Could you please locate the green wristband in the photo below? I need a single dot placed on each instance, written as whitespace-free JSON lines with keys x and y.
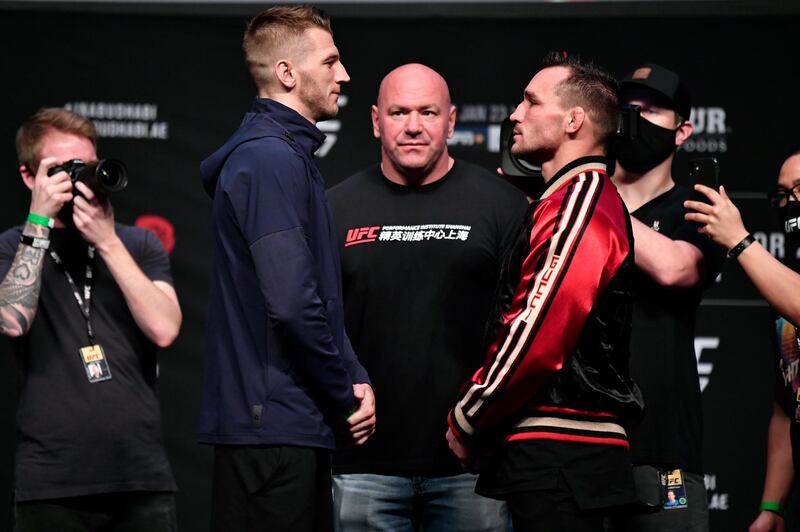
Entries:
{"x":38,"y":219}
{"x":771,"y":506}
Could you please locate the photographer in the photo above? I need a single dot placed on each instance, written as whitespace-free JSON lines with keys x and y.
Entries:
{"x":780,"y":286}
{"x":86,"y":302}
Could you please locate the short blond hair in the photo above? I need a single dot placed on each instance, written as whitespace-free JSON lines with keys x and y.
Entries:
{"x":33,"y":130}
{"x":273,"y":31}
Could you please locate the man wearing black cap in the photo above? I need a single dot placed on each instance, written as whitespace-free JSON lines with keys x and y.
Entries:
{"x":674,"y":265}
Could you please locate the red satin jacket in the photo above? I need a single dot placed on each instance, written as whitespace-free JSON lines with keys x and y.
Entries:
{"x":557,"y":368}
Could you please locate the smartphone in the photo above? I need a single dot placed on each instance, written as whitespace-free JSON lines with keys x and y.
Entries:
{"x":704,"y":171}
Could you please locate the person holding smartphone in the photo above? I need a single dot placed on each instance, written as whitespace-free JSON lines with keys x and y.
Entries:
{"x":780,"y":286}
{"x":674,"y":265}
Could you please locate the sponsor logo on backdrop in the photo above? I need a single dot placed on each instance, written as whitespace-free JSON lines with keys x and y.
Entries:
{"x":774,"y":242}
{"x":716,"y":500}
{"x":704,"y":369}
{"x":125,"y":120}
{"x":710,"y":133}
{"x":478,"y":126}
{"x":331,"y":129}
{"x":405,"y":233}
{"x":161,"y":227}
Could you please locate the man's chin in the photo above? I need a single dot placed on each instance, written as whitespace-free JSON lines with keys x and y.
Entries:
{"x":327,"y":115}
{"x":412,"y":164}
{"x":535,"y":158}
{"x":321,"y":114}
{"x":518,"y":151}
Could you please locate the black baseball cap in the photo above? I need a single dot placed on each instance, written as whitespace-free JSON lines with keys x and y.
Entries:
{"x":663,"y":81}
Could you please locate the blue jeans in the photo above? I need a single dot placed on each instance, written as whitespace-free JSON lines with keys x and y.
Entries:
{"x":368,"y":503}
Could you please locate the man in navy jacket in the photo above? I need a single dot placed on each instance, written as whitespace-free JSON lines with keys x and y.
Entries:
{"x":280,"y":375}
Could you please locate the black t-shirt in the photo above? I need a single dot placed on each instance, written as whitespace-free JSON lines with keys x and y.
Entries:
{"x":787,"y":381}
{"x":663,"y":361}
{"x":420,"y":267}
{"x":76,"y":437}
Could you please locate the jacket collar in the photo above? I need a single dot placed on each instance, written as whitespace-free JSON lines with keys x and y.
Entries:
{"x":582,"y":164}
{"x":296,"y":127}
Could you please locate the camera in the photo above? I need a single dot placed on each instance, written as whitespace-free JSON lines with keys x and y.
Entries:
{"x":512,"y":165}
{"x":520,"y":173}
{"x":103,"y":177}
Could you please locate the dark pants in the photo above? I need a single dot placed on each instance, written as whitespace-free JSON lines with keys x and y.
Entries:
{"x":693,"y":518}
{"x":271,"y":489}
{"x":551,"y":510}
{"x":108,"y":512}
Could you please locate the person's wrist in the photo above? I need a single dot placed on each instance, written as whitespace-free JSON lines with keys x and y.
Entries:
{"x":43,"y":207}
{"x":740,"y":245}
{"x":36,"y":230}
{"x":34,"y":241}
{"x":107,"y":244}
{"x":772,"y":507}
{"x":36,"y":217}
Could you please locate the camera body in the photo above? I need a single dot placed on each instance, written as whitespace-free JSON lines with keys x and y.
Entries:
{"x":512,"y":165}
{"x":103,"y":177}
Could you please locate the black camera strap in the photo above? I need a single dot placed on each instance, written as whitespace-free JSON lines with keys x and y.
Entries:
{"x":85,"y":302}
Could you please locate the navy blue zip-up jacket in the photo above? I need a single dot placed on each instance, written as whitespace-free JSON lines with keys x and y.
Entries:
{"x":279,"y":368}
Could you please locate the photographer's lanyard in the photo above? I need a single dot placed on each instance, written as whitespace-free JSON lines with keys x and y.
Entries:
{"x":92,"y":356}
{"x":84,"y":303}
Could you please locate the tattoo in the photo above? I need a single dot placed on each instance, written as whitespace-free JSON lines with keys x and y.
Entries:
{"x":25,"y":295}
{"x":19,"y":291}
{"x":22,"y":272}
{"x":30,"y":253}
{"x":18,"y":324}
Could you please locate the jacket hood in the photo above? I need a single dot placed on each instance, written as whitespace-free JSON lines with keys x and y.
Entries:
{"x":266,"y":118}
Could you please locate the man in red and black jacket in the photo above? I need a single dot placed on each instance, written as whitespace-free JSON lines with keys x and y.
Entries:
{"x":555,"y":388}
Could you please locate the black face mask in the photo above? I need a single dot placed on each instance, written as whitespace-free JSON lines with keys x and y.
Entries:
{"x":652,"y":145}
{"x":790,"y":218}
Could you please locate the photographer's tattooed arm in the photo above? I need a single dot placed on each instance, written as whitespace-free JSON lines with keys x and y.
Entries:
{"x":19,"y":291}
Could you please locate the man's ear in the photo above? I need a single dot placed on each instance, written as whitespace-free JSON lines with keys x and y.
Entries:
{"x":28,"y":177}
{"x":451,"y":122}
{"x":684,"y":132}
{"x":376,"y":130}
{"x":574,"y":119}
{"x":285,"y":73}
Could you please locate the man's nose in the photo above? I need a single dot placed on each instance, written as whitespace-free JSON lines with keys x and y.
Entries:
{"x":413,"y":123}
{"x":342,"y":75}
{"x":516,"y":116}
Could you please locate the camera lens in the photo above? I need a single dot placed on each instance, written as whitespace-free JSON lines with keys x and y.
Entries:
{"x":112,"y":175}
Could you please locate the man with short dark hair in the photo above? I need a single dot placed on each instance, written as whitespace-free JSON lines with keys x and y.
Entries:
{"x":280,"y":375}
{"x":85,"y":301}
{"x":422,"y":237}
{"x":674,"y":265}
{"x":545,"y":419}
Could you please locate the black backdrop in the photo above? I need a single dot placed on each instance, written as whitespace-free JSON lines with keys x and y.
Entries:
{"x":166,"y":87}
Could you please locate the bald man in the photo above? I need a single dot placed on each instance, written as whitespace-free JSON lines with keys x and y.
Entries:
{"x":280,"y":376}
{"x":421,"y":237}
